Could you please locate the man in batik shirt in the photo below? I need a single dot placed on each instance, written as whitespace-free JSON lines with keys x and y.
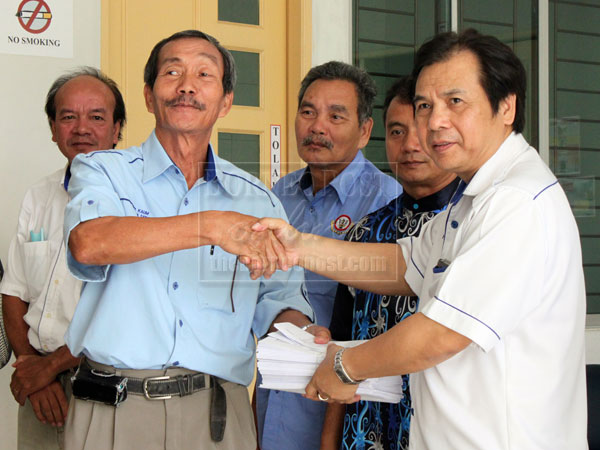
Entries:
{"x":360,"y":314}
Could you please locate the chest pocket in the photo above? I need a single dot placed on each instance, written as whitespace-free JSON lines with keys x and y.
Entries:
{"x":36,"y":263}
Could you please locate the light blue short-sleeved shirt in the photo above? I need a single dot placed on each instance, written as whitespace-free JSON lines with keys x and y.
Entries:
{"x":195,"y":308}
{"x":287,"y":420}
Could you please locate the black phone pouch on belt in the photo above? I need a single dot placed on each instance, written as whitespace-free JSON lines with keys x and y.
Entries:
{"x":98,"y":386}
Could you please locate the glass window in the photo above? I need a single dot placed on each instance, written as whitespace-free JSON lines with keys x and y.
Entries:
{"x":515,"y":24}
{"x":239,"y":11}
{"x":386,"y":35}
{"x":243,"y":150}
{"x":247,"y":89}
{"x":574,"y":62}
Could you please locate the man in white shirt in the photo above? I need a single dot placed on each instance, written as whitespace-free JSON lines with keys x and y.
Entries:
{"x":496,"y":349}
{"x":86,"y":112}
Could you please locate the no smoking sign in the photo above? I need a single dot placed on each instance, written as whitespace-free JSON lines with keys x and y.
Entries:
{"x":34,"y":16}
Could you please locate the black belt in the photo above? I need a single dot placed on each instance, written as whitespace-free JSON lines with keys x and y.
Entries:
{"x":164,"y":387}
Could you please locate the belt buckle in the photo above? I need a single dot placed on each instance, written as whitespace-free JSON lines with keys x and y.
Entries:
{"x":145,"y":388}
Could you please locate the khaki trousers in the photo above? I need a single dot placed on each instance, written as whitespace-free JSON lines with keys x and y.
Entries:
{"x":35,"y":435}
{"x":179,"y":423}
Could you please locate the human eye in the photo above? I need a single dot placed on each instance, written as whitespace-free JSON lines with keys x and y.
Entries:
{"x":455,"y":100}
{"x":65,"y":117}
{"x":397,"y":132}
{"x":97,"y":117}
{"x":206,"y":73}
{"x":422,"y":107}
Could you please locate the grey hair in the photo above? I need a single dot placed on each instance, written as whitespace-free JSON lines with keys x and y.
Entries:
{"x":336,"y":70}
{"x":229,"y":75}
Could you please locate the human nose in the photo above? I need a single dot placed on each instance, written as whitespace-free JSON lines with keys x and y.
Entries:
{"x":412,"y":141}
{"x":186,"y":84}
{"x":82,"y":126}
{"x":317,"y":125}
{"x":438,"y":118}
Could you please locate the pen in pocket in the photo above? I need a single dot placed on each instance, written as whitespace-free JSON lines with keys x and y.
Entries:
{"x":37,"y":237}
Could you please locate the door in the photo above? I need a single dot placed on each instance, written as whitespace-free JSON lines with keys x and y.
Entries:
{"x":271,"y":46}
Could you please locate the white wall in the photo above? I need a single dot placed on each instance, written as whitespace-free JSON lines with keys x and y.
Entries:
{"x":332,"y":31}
{"x":26,"y":150}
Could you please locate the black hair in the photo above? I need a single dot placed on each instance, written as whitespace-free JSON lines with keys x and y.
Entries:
{"x":402,"y":89}
{"x":501,"y":71}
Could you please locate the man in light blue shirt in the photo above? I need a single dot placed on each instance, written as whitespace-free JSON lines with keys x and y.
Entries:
{"x":339,"y":186}
{"x":152,"y":231}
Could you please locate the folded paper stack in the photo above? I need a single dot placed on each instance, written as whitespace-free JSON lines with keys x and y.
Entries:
{"x":288,"y":358}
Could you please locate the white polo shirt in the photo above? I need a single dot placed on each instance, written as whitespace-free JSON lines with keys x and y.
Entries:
{"x":37,"y":271}
{"x":509,"y":277}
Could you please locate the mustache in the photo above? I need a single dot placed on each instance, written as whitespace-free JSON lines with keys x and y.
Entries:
{"x":185,"y":100}
{"x":318,"y":140}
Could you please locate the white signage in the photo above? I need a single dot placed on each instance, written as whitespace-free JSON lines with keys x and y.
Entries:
{"x":37,"y":27}
{"x":275,"y":154}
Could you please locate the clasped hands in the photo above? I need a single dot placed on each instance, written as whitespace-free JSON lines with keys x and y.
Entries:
{"x":34,"y":379}
{"x":263,"y":245}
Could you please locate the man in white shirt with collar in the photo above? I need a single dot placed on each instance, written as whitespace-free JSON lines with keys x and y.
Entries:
{"x":496,"y":349}
{"x":86,"y":112}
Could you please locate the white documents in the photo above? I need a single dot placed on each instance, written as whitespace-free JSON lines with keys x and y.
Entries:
{"x":288,"y":358}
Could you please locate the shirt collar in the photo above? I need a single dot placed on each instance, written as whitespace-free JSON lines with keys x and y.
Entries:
{"x":494,"y":168}
{"x":434,"y":202}
{"x":217,"y":168}
{"x":341,"y":182}
{"x":156,"y":161}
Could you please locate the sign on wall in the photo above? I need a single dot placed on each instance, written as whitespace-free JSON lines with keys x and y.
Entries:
{"x":275,"y":154}
{"x":37,"y":27}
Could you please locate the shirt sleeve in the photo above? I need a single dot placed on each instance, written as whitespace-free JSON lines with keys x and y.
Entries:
{"x":93,"y":196}
{"x":284,"y":290}
{"x":493,"y":282}
{"x":15,"y":277}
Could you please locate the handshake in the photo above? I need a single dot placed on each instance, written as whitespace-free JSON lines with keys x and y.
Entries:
{"x":263,"y":245}
{"x":267,"y":244}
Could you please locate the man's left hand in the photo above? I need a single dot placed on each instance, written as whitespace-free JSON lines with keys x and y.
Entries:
{"x":32,"y":373}
{"x":325,"y":384}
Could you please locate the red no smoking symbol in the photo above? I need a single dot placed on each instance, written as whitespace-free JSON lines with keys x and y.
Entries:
{"x":34,"y":16}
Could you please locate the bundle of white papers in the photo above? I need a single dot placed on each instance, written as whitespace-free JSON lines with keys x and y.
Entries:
{"x":288,"y":358}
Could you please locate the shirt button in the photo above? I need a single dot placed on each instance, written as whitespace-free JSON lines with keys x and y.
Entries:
{"x":90,"y":202}
{"x":454,"y":224}
{"x":186,"y":201}
{"x":312,"y":209}
{"x":175,"y":285}
{"x":176,"y":363}
{"x":180,"y":322}
{"x":416,"y":206}
{"x":177,"y":171}
{"x":56,"y":281}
